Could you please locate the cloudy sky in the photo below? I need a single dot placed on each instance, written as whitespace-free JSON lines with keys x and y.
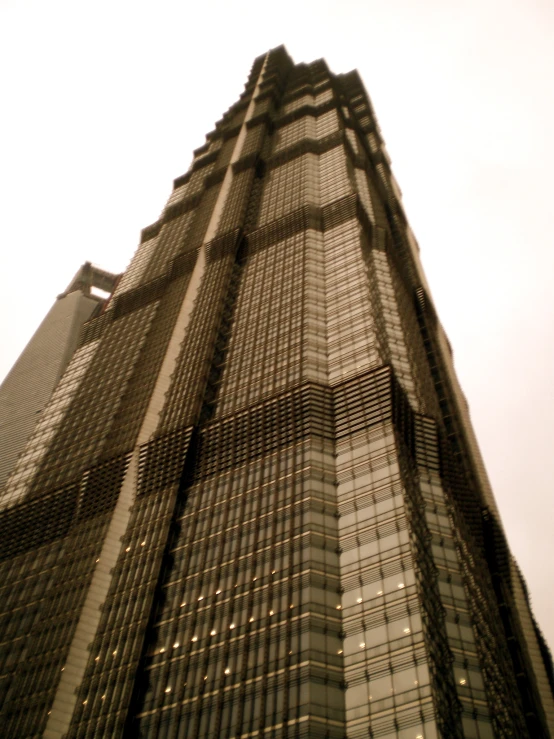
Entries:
{"x":102,"y":104}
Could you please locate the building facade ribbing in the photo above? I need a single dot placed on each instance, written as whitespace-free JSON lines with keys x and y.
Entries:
{"x":254,"y":505}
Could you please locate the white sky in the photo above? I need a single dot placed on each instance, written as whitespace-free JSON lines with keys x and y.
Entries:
{"x":102,"y":104}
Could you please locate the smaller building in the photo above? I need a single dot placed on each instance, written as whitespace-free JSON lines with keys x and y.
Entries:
{"x":31,"y":381}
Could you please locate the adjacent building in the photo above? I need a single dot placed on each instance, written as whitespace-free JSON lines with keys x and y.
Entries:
{"x":254,"y":505}
{"x":27,"y":388}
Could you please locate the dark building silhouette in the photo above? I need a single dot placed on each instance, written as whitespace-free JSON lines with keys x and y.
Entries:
{"x":254,"y":505}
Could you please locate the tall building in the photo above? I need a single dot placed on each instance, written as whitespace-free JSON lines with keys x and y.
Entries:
{"x":33,"y":378}
{"x":254,"y":505}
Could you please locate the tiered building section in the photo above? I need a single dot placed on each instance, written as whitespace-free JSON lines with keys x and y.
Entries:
{"x":255,"y":506}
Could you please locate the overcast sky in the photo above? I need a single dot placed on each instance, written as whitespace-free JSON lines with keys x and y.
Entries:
{"x":102,"y":104}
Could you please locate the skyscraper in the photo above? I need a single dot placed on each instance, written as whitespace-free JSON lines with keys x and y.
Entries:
{"x":33,"y":378}
{"x":254,"y":505}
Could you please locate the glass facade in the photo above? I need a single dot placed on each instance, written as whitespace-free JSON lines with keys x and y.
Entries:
{"x":265,"y":513}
